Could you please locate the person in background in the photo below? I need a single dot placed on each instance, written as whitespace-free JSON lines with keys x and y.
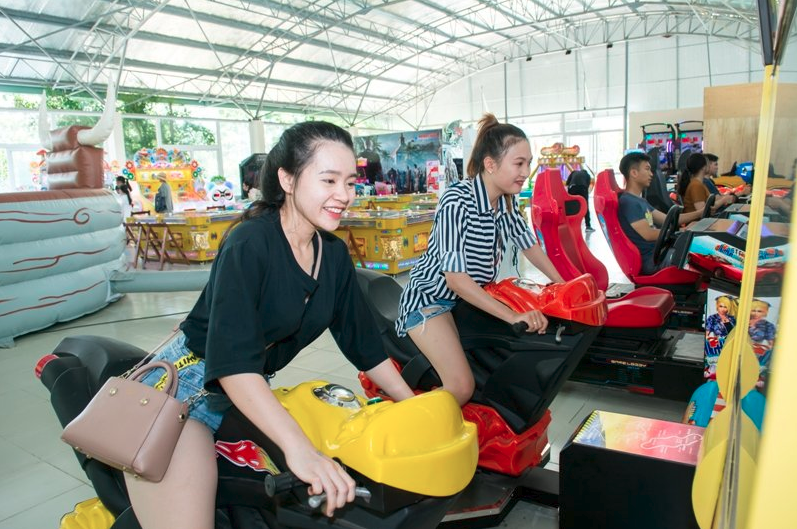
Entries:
{"x":692,"y":189}
{"x":251,"y":192}
{"x":782,"y":204}
{"x":711,"y":172}
{"x":638,"y":219}
{"x":475,"y":219}
{"x":281,"y":279}
{"x":578,"y":183}
{"x":164,"y":204}
{"x":122,"y":192}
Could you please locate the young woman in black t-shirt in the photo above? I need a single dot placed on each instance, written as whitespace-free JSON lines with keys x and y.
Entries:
{"x":261,"y":306}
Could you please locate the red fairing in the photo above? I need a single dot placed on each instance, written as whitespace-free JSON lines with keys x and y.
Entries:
{"x":500,"y":449}
{"x":577,"y":300}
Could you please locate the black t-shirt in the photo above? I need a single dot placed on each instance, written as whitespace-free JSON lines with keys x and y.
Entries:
{"x":255,"y":297}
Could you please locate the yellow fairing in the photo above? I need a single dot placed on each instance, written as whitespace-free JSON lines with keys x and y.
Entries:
{"x":89,"y":514}
{"x":422,"y":444}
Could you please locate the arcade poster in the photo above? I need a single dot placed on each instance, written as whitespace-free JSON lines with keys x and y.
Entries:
{"x":405,"y":160}
{"x":671,"y":441}
{"x":722,"y":316}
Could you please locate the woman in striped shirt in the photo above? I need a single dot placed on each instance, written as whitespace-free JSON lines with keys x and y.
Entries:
{"x":474,"y":220}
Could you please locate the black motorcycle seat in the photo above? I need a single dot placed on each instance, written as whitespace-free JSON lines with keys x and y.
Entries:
{"x":382,"y":292}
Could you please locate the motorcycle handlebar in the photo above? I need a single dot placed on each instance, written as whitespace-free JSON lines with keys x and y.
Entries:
{"x":282,"y":482}
{"x":519,"y":328}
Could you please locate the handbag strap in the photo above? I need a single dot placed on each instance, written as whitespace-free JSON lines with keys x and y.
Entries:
{"x":152,"y":353}
{"x":317,"y":264}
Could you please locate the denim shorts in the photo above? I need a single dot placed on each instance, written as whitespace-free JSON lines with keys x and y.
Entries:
{"x":421,"y":315}
{"x":207,"y":408}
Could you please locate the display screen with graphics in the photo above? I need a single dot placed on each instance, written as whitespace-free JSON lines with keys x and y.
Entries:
{"x":407,"y":161}
{"x":667,"y":440}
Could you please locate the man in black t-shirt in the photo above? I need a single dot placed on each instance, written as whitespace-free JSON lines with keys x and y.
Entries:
{"x":578,"y":183}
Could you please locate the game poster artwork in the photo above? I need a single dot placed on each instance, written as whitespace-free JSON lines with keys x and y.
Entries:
{"x":408,"y":161}
{"x":722,"y":316}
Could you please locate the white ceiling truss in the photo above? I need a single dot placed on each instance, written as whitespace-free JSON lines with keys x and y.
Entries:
{"x":356,"y":58}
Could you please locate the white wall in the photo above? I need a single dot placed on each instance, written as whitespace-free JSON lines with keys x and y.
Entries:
{"x":663,"y":74}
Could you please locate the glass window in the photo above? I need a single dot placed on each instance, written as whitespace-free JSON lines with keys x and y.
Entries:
{"x":187,"y":132}
{"x":138,"y":133}
{"x":24,"y":170}
{"x":19,"y":127}
{"x":235,"y":147}
{"x":5,"y":178}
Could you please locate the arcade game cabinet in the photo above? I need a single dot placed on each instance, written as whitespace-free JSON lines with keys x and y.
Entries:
{"x":661,"y":135}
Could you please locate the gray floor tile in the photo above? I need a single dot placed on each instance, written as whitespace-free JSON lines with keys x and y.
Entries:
{"x":28,"y":487}
{"x":48,"y":514}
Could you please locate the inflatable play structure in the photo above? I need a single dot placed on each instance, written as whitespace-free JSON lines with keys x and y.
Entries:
{"x":62,"y":250}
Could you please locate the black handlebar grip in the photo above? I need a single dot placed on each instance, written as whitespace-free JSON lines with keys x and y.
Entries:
{"x":282,"y":482}
{"x":519,"y":327}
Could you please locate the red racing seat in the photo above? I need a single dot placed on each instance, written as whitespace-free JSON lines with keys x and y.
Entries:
{"x":606,"y":202}
{"x":556,"y":216}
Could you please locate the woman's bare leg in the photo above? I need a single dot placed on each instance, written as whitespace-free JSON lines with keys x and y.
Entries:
{"x":438,"y":339}
{"x":186,"y":498}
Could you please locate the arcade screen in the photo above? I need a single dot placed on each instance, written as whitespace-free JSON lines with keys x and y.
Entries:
{"x":662,"y":140}
{"x":692,"y":140}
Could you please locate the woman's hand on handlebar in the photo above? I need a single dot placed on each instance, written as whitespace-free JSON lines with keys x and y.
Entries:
{"x":535,"y":319}
{"x":323,"y":475}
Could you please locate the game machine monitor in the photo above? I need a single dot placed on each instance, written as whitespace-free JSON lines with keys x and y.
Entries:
{"x":661,"y":135}
{"x":249,"y":170}
{"x":690,"y":136}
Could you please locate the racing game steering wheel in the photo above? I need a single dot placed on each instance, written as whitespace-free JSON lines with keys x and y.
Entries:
{"x":709,"y":204}
{"x":666,"y":234}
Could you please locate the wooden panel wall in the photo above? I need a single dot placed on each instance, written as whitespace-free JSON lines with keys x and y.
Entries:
{"x":731,"y":115}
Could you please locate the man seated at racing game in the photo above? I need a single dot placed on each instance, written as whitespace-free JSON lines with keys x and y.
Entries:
{"x":641,"y":221}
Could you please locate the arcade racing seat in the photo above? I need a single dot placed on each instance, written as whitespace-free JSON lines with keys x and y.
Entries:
{"x":634,"y":349}
{"x":688,"y":286}
{"x":607,"y":203}
{"x":556,"y":216}
{"x":657,"y":194}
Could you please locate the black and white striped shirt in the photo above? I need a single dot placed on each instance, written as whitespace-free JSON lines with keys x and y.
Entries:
{"x":467,"y":236}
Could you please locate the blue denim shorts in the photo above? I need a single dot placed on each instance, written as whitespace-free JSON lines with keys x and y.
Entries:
{"x":207,"y":408}
{"x":421,"y":315}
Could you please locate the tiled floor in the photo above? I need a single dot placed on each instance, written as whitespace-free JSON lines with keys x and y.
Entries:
{"x":40,"y":479}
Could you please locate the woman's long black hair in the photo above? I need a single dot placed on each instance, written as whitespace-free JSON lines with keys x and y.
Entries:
{"x":694,"y":164}
{"x":292,"y":153}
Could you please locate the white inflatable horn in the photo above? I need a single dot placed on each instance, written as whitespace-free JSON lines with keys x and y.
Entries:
{"x":100,"y":132}
{"x":44,"y":123}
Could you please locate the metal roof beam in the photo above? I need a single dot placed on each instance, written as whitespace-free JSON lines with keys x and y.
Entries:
{"x":248,"y":26}
{"x":177,"y":41}
{"x":35,"y":52}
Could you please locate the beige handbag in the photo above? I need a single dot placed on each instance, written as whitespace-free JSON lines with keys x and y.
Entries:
{"x":131,"y":426}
